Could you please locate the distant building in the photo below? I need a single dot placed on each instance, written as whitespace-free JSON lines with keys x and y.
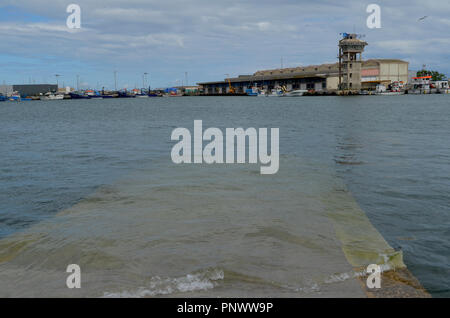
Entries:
{"x":28,"y":89}
{"x":34,"y":89}
{"x":351,"y":48}
{"x":384,"y":71}
{"x":188,"y":90}
{"x":317,"y":77}
{"x":353,"y":74}
{"x":320,"y":78}
{"x":6,"y":90}
{"x":66,"y":90}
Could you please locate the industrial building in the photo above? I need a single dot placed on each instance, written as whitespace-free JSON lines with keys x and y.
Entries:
{"x":350,"y":73}
{"x":28,"y":89}
{"x":383,"y":71}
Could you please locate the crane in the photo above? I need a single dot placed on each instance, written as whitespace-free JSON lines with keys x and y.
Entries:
{"x":231,"y":88}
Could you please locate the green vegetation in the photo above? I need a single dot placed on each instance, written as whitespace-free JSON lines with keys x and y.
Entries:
{"x":436,"y":75}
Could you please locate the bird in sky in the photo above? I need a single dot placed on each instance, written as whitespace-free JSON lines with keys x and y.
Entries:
{"x":422,"y":18}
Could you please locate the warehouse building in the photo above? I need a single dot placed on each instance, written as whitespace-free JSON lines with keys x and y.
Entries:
{"x":316,"y":77}
{"x":28,"y":89}
{"x":383,"y":71}
{"x":34,"y":89}
{"x":320,"y":78}
{"x":352,"y":74}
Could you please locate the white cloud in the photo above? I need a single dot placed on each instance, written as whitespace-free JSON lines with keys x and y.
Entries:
{"x":210,"y":38}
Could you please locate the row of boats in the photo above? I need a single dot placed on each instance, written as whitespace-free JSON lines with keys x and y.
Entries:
{"x":88,"y":94}
{"x":418,"y":85}
{"x":276,"y":92}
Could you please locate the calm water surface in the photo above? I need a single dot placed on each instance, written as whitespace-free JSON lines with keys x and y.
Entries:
{"x":92,"y":183}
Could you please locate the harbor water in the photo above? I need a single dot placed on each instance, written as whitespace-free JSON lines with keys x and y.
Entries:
{"x":91,"y":182}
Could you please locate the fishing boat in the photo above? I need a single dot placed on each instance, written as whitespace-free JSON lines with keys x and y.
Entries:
{"x":391,"y":93}
{"x":262,"y":93}
{"x":78,"y":96}
{"x":52,"y":96}
{"x":254,"y":91}
{"x":296,"y":93}
{"x":125,"y":94}
{"x":395,"y":89}
{"x":2,"y":98}
{"x":93,"y":94}
{"x":175,"y":94}
{"x":276,"y":92}
{"x":15,"y":97}
{"x":139,"y":93}
{"x":440,"y":87}
{"x":420,"y":85}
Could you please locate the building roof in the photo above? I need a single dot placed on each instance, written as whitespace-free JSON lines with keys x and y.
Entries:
{"x":318,"y":71}
{"x":378,"y":61}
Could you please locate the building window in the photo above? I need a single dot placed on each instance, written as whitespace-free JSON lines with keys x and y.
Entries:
{"x":351,"y":65}
{"x":351,"y":75}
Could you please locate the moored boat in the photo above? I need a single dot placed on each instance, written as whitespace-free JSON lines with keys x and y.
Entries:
{"x":276,"y":93}
{"x":15,"y":97}
{"x":262,"y":94}
{"x":440,"y":87}
{"x":420,"y":85}
{"x":295,"y":93}
{"x":52,"y":96}
{"x":254,"y":91}
{"x":78,"y":96}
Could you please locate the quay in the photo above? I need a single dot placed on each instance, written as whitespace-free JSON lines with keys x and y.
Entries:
{"x":351,"y":75}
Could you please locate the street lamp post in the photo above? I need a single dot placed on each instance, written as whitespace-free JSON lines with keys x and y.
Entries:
{"x":57,"y":80}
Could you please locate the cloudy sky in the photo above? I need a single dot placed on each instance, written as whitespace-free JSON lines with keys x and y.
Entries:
{"x":206,"y":38}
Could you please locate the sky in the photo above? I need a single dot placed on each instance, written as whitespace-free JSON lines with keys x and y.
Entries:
{"x":206,"y":38}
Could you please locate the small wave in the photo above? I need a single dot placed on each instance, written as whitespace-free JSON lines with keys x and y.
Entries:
{"x":348,"y":162}
{"x":336,"y":278}
{"x":166,"y":286}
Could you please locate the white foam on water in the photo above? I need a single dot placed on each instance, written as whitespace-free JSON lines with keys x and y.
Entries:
{"x":336,"y":278}
{"x":166,"y":286}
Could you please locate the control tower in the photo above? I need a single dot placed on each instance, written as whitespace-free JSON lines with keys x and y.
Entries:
{"x":351,"y":48}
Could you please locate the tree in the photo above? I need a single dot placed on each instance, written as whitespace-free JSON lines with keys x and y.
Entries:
{"x":436,"y":76}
